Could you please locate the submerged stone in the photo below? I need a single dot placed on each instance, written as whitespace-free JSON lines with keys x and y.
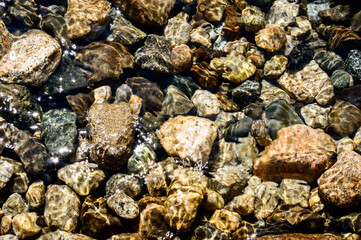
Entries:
{"x":176,"y":102}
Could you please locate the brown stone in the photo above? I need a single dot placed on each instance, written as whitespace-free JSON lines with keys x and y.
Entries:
{"x":212,"y":9}
{"x":299,"y":236}
{"x":182,"y":58}
{"x":272,"y":38}
{"x":232,"y":27}
{"x":24,"y":225}
{"x":5,"y":39}
{"x":226,"y":220}
{"x":206,"y":77}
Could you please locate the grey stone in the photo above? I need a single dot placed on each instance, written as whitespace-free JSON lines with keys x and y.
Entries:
{"x":247,"y":92}
{"x":206,"y":103}
{"x":341,"y":79}
{"x":142,"y":160}
{"x":123,"y":93}
{"x":353,"y":63}
{"x":176,"y":102}
{"x":123,"y":205}
{"x":129,"y":184}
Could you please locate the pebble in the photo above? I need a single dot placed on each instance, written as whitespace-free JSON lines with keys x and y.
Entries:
{"x":271,"y":93}
{"x":129,"y":184}
{"x":142,"y":160}
{"x":246,"y":92}
{"x":357,"y":140}
{"x":176,"y":102}
{"x":6,"y":172}
{"x":315,"y":201}
{"x":123,"y":205}
{"x":212,"y":9}
{"x":283,"y":13}
{"x":126,"y":236}
{"x":156,"y":181}
{"x":19,"y":181}
{"x":267,"y":197}
{"x":5,"y":39}
{"x":24,"y":225}
{"x":14,"y":205}
{"x":35,"y":195}
{"x":275,"y":67}
{"x":226,"y":104}
{"x":336,"y":15}
{"x":25,"y":13}
{"x":299,"y":236}
{"x":238,"y":130}
{"x":59,"y":234}
{"x":225,"y":220}
{"x":295,"y":192}
{"x":355,"y":22}
{"x":178,"y":30}
{"x":329,"y":61}
{"x":206,"y":103}
{"x":212,"y":200}
{"x":341,"y":79}
{"x":315,"y":116}
{"x":345,"y":144}
{"x":6,"y":224}
{"x":253,"y":19}
{"x":206,"y":76}
{"x":353,"y":63}
{"x":272,"y":38}
{"x":182,"y":58}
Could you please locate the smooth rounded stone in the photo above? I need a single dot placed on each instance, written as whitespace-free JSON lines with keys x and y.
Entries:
{"x":176,"y":102}
{"x":344,"y":118}
{"x":62,"y":208}
{"x":31,"y":59}
{"x":87,"y":19}
{"x":14,"y":205}
{"x":122,"y":30}
{"x":275,"y":67}
{"x":206,"y":103}
{"x":308,"y":85}
{"x":234,"y":68}
{"x":104,"y":60}
{"x":315,"y":201}
{"x":261,"y":133}
{"x":188,"y":137}
{"x":279,"y":114}
{"x":156,"y":181}
{"x":272,"y":38}
{"x":8,"y":237}
{"x":25,"y":12}
{"x":339,"y":185}
{"x":270,"y":93}
{"x":96,"y":220}
{"x":345,"y":144}
{"x":206,"y":77}
{"x":67,"y":76}
{"x":315,"y":116}
{"x":329,"y":61}
{"x":149,"y":14}
{"x":19,"y":181}
{"x":182,"y":58}
{"x":212,"y":9}
{"x":142,"y":160}
{"x":209,"y":232}
{"x":6,"y":172}
{"x":120,"y":182}
{"x":35,"y":195}
{"x":341,"y":79}
{"x":111,"y":129}
{"x":253,"y":19}
{"x":123,"y":205}
{"x":299,"y":236}
{"x":336,"y":15}
{"x":283,"y":13}
{"x":267,"y":197}
{"x":122,"y":93}
{"x":356,"y":22}
{"x":178,"y":30}
{"x":126,"y":236}
{"x":212,"y":200}
{"x":295,"y":192}
{"x":246,"y":92}
{"x":59,"y":234}
{"x":238,"y":130}
{"x":80,"y":104}
{"x":226,"y":104}
{"x":24,"y":225}
{"x":300,"y":151}
{"x":353,"y":62}
{"x":225,"y":220}
{"x":5,"y":39}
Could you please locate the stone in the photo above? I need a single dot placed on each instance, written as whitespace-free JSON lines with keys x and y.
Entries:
{"x":246,"y":92}
{"x":96,"y":220}
{"x":355,"y":22}
{"x":149,"y":91}
{"x":123,"y":31}
{"x":5,"y":225}
{"x":104,"y":60}
{"x":123,"y":93}
{"x":209,"y":232}
{"x":341,"y":79}
{"x":151,"y":14}
{"x":212,"y":200}
{"x":202,"y":35}
{"x":19,"y":181}
{"x":206,"y":103}
{"x":178,"y":30}
{"x":271,"y":93}
{"x":275,"y":67}
{"x":315,"y":116}
{"x":315,"y":201}
{"x":295,"y":148}
{"x":8,"y":237}
{"x":313,"y":10}
{"x":120,"y":182}
{"x":102,"y":94}
{"x":82,"y":177}
{"x":336,"y":15}
{"x":345,"y":144}
{"x":87,"y":19}
{"x":123,"y":205}
{"x":352,"y":63}
{"x":344,"y":118}
{"x":185,"y":84}
{"x":182,"y":58}
{"x":234,"y":68}
{"x":253,"y":19}
{"x":111,"y":128}
{"x":14,"y":205}
{"x":295,"y":192}
{"x":283,"y":13}
{"x":225,"y":220}
{"x":176,"y":102}
{"x":226,"y":104}
{"x":55,"y":25}
{"x":35,"y":195}
{"x":238,"y":130}
{"x":142,"y":160}
{"x":188,"y":137}
{"x":212,"y":9}
{"x":357,"y":140}
{"x":329,"y":61}
{"x":59,"y":234}
{"x":59,"y":131}
{"x":24,"y":225}
{"x":31,"y":59}
{"x":256,"y":57}
{"x":126,"y":236}
{"x":156,"y":181}
{"x":261,"y":133}
{"x":272,"y":38}
{"x":6,"y":172}
{"x":80,"y":103}
{"x":299,"y":236}
{"x":5,"y":39}
{"x":62,"y":208}
{"x":232,"y":23}
{"x":206,"y":77}
{"x":267,"y":197}
{"x":25,"y":13}
{"x":308,"y":85}
{"x":339,"y":184}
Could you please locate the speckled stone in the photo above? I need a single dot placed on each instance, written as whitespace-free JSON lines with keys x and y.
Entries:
{"x":246,"y":92}
{"x":31,"y":59}
{"x":128,"y":184}
{"x":188,"y":137}
{"x":24,"y":225}
{"x":295,"y":148}
{"x":299,"y":236}
{"x":14,"y":205}
{"x":267,"y":197}
{"x":212,"y":9}
{"x":345,"y":144}
{"x":182,"y":58}
{"x":271,"y":93}
{"x":178,"y":30}
{"x":315,"y":116}
{"x":225,"y":220}
{"x":206,"y":103}
{"x":5,"y":39}
{"x":123,"y":205}
{"x":283,"y":13}
{"x":35,"y":195}
{"x":341,"y":79}
{"x":253,"y":19}
{"x":6,"y":172}
{"x":353,"y":62}
{"x":176,"y":102}
{"x":62,"y":207}
{"x":295,"y":192}
{"x":272,"y":38}
{"x":59,"y":234}
{"x":274,"y":67}
{"x":86,"y":19}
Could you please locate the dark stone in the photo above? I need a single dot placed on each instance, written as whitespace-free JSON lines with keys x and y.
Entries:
{"x":209,"y":232}
{"x":176,"y":102}
{"x":238,"y":130}
{"x":353,"y":63}
{"x":300,"y":56}
{"x":129,"y":184}
{"x":247,"y":92}
{"x":254,"y":110}
{"x":351,"y":95}
{"x":25,"y":12}
{"x":80,"y":103}
{"x":54,"y":25}
{"x":340,"y":78}
{"x":329,"y":61}
{"x":336,"y":15}
{"x":185,"y":84}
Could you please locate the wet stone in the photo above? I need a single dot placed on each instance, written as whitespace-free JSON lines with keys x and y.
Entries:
{"x":231,"y":29}
{"x":24,"y":225}
{"x":202,"y":35}
{"x":176,"y":102}
{"x":8,"y":237}
{"x":271,"y":93}
{"x":5,"y":225}
{"x":283,"y":13}
{"x":206,"y":77}
{"x":182,"y":58}
{"x":35,"y":195}
{"x":59,"y":234}
{"x":238,"y":130}
{"x":253,"y":19}
{"x":294,"y":192}
{"x":212,"y":200}
{"x":19,"y":181}
{"x":357,"y":140}
{"x":120,"y":182}
{"x":341,"y":79}
{"x":226,"y":104}
{"x":315,"y":201}
{"x":225,"y":220}
{"x":6,"y":172}
{"x":36,"y":57}
{"x":55,"y":25}
{"x":62,"y":208}
{"x":355,"y":22}
{"x":274,"y":67}
{"x":142,"y":160}
{"x":299,"y":236}
{"x":345,"y":144}
{"x":336,"y":15}
{"x":209,"y":232}
{"x":272,"y":38}
{"x":5,"y":39}
{"x":267,"y":197}
{"x":212,"y":9}
{"x":25,"y":12}
{"x":156,"y":181}
{"x":185,"y":84}
{"x":178,"y":30}
{"x":353,"y":63}
{"x":123,"y":205}
{"x":206,"y":103}
{"x":122,"y":93}
{"x":126,"y":236}
{"x":14,"y":205}
{"x":329,"y":61}
{"x":246,"y":92}
{"x":315,"y":116}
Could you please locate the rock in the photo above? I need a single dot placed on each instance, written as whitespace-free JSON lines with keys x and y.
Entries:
{"x":156,"y":181}
{"x":329,"y":61}
{"x":152,"y":14}
{"x":87,"y":19}
{"x":202,"y":35}
{"x":6,"y":224}
{"x":240,"y":46}
{"x":271,"y":93}
{"x":295,"y":192}
{"x":299,"y":56}
{"x":355,"y":22}
{"x":339,"y":184}
{"x":315,"y":201}
{"x":19,"y":181}
{"x":226,"y":104}
{"x":253,"y":19}
{"x":206,"y":103}
{"x":58,"y":234}
{"x":120,"y":182}
{"x":246,"y":92}
{"x":299,"y":236}
{"x":308,"y":85}
{"x":341,"y":79}
{"x":188,"y":137}
{"x":31,"y":59}
{"x":225,"y":220}
{"x":35,"y":195}
{"x":55,"y":25}
{"x":123,"y":205}
{"x":176,"y":102}
{"x":126,"y":236}
{"x":353,"y":63}
{"x":14,"y":205}
{"x":261,"y":133}
{"x":336,"y":15}
{"x":102,"y":94}
{"x":315,"y":116}
{"x":25,"y":13}
{"x":314,"y":9}
{"x":212,"y":9}
{"x":96,"y":220}
{"x":62,"y":208}
{"x":345,"y":144}
{"x":182,"y":58}
{"x":111,"y":128}
{"x":274,"y":67}
{"x":123,"y":31}
{"x":104,"y":60}
{"x":272,"y":38}
{"x":185,"y":84}
{"x":344,"y":118}
{"x":357,"y":140}
{"x":6,"y":172}
{"x":123,"y":93}
{"x":238,"y":130}
{"x":267,"y":196}
{"x":8,"y":237}
{"x":232,"y":22}
{"x":24,"y":225}
{"x":206,"y":77}
{"x":234,"y":68}
{"x":283,"y":13}
{"x":178,"y":30}
{"x":209,"y":232}
{"x":5,"y":39}
{"x":295,"y":148}
{"x":142,"y":160}
{"x":256,"y":57}
{"x":212,"y":200}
